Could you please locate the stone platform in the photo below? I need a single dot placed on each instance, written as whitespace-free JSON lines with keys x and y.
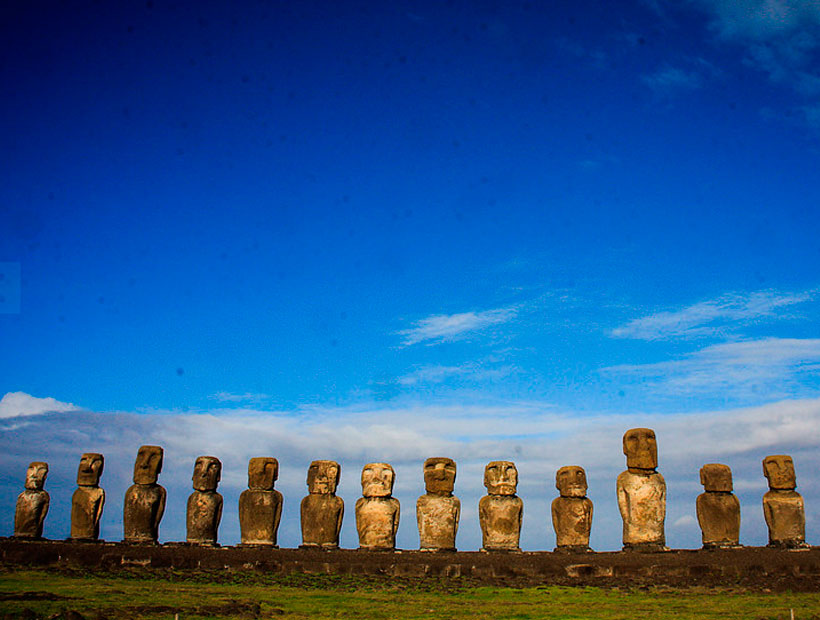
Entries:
{"x":749,"y":567}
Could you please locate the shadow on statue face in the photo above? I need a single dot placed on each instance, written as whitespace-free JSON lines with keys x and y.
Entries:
{"x":571,"y":481}
{"x":148,"y":464}
{"x":36,"y":476}
{"x":207,"y":472}
{"x":439,"y":475}
{"x":262,"y":473}
{"x":323,"y":477}
{"x":501,"y":478}
{"x":377,"y":480}
{"x":779,"y":471}
{"x":641,"y":448}
{"x":716,"y":478}
{"x":90,"y":469}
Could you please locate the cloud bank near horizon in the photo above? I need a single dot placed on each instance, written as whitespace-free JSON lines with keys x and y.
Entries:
{"x":539,"y":437}
{"x":17,"y":404}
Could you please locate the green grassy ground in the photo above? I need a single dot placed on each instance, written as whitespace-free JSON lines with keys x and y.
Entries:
{"x":30,"y":593}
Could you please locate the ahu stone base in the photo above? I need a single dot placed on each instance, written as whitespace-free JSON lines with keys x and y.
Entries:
{"x":755,"y":567}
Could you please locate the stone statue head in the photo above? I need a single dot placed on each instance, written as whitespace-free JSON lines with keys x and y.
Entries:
{"x":36,"y":476}
{"x":716,"y":478}
{"x":377,"y":480}
{"x":501,"y":478}
{"x":207,"y":472}
{"x":571,"y":481}
{"x":148,"y":464}
{"x":262,"y":473}
{"x":90,"y":469}
{"x":439,"y":475}
{"x":641,"y":448}
{"x":779,"y":471}
{"x":323,"y":477}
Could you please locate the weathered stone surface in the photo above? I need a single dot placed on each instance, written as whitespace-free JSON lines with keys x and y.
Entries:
{"x":438,"y":512}
{"x":204,"y":504}
{"x":642,"y":493}
{"x":260,"y":506}
{"x":500,"y":511}
{"x":782,"y":505}
{"x":88,"y":500}
{"x":32,"y":503}
{"x":572,"y":511}
{"x":750,"y":569}
{"x":322,"y":511}
{"x":377,"y":513}
{"x":718,"y":508}
{"x":641,"y":449}
{"x":144,"y":502}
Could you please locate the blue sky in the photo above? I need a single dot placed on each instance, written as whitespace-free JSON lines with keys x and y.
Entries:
{"x":387,"y":231}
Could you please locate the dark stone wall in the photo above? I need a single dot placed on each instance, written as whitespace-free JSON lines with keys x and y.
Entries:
{"x":758,"y":567}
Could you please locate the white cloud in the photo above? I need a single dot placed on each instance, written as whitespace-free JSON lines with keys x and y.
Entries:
{"x":745,"y":368}
{"x":709,"y":317}
{"x":440,"y":328}
{"x":685,"y":521}
{"x":536,"y":435}
{"x":469,"y":371}
{"x":228,"y":397}
{"x":432,"y":374}
{"x":15,"y":404}
{"x":761,"y":19}
{"x":781,"y":37}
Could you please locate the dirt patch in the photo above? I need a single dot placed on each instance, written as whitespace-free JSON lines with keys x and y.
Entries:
{"x":33,"y":596}
{"x":234,"y":608}
{"x":24,"y":614}
{"x":245,"y":609}
{"x":27,"y":614}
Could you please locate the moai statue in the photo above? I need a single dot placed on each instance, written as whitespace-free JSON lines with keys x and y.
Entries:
{"x":88,"y":500}
{"x":782,"y":505}
{"x":501,"y":510}
{"x":642,"y":493}
{"x":438,"y":511}
{"x":377,"y":513}
{"x":144,"y":502}
{"x":718,"y":508}
{"x":260,"y":505}
{"x":572,"y":511}
{"x":32,"y":504}
{"x":322,"y":511}
{"x":204,"y":504}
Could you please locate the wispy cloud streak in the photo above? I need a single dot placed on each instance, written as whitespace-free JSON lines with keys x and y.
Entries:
{"x":781,"y":39}
{"x":709,"y":317}
{"x":228,"y":397}
{"x":750,"y":367}
{"x":671,"y":80}
{"x":470,"y":371}
{"x":440,"y":328}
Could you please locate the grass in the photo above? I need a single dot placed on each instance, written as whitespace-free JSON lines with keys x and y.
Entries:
{"x":152,"y":595}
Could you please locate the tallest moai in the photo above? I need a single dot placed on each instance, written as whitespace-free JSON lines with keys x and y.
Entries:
{"x":642,"y":493}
